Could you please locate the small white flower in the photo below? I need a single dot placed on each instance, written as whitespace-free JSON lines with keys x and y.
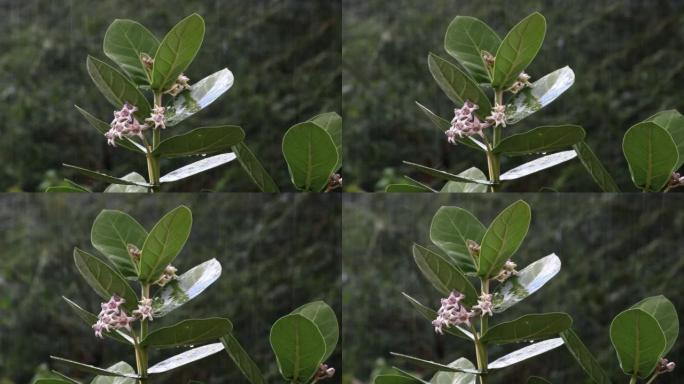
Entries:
{"x":168,"y":276}
{"x":498,"y":116}
{"x":507,"y":271}
{"x":157,"y":117}
{"x":144,"y":310}
{"x":484,"y":305}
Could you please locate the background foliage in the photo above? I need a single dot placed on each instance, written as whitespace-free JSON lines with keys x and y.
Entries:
{"x":285,"y":55}
{"x":277,"y":252}
{"x":615,"y":250}
{"x":626,"y":55}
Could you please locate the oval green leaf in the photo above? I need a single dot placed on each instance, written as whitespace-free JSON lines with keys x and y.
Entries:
{"x":116,"y":88}
{"x":197,"y":167}
{"x":540,"y":94}
{"x":186,"y":357}
{"x":518,"y":49}
{"x":651,"y":154}
{"x":121,"y":367}
{"x":443,"y":275}
{"x":201,"y":141}
{"x":527,"y":282}
{"x":111,"y":233}
{"x":134,"y":177}
{"x":538,"y":165}
{"x":125,"y":42}
{"x":103,"y":279}
{"x":176,"y":51}
{"x":164,"y":243}
{"x":503,"y":238}
{"x":532,"y":327}
{"x":311,"y":156}
{"x":673,"y":122}
{"x":188,"y":286}
{"x":188,"y":332}
{"x":638,"y":340}
{"x":665,"y":314}
{"x":331,"y":122}
{"x":199,"y":96}
{"x":325,"y":319}
{"x":299,"y":347}
{"x":458,"y":86}
{"x":525,"y":353}
{"x":458,"y":187}
{"x":456,"y":377}
{"x":252,"y":166}
{"x":584,"y":357}
{"x":450,"y":230}
{"x":541,"y":140}
{"x":242,"y":360}
{"x":466,"y":38}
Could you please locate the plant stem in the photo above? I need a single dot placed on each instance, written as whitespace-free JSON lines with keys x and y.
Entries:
{"x":140,"y":351}
{"x":152,"y":160}
{"x":633,"y":380}
{"x":480,"y":347}
{"x":493,"y":160}
{"x":652,"y":379}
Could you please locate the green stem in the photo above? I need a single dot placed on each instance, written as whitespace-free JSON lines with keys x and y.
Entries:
{"x":156,"y":139}
{"x":480,"y":347}
{"x":140,"y":351}
{"x":633,"y":380}
{"x":652,"y":379}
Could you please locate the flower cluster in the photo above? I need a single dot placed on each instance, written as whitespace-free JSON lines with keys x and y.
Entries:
{"x":498,"y":116}
{"x":144,"y":310}
{"x":324,"y":372}
{"x":157,"y":117}
{"x":182,"y":83}
{"x":665,"y":366}
{"x":520,"y":84}
{"x":124,"y":124}
{"x":453,"y":313}
{"x":484,"y":305}
{"x":112,"y":317}
{"x":465,"y":123}
{"x":168,"y":276}
{"x":507,"y":271}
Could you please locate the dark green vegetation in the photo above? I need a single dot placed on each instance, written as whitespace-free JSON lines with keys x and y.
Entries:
{"x":615,"y":250}
{"x":276,"y":253}
{"x":626,"y":56}
{"x":285,"y":56}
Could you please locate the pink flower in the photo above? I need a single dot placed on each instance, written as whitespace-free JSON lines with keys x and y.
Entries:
{"x":498,"y":116}
{"x":112,"y":317}
{"x":507,"y":271}
{"x":451,"y":313}
{"x":144,"y":310}
{"x":157,"y":117}
{"x":465,"y":123}
{"x":484,"y":305}
{"x":665,"y":366}
{"x":124,"y":125}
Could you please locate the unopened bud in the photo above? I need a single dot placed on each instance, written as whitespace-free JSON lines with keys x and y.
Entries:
{"x":147,"y":61}
{"x":134,"y":252}
{"x":473,"y":248}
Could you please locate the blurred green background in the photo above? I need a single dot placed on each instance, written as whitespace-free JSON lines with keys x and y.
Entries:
{"x":616,"y":249}
{"x":285,"y":55}
{"x":277,"y":252}
{"x":626,"y":54}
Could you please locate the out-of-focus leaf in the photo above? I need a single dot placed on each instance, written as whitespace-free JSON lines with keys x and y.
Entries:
{"x":121,"y":367}
{"x":456,"y":377}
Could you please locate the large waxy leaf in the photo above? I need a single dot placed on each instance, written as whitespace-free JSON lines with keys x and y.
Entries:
{"x":673,"y":122}
{"x":121,"y":367}
{"x":665,"y":314}
{"x":164,"y":243}
{"x":176,"y":51}
{"x":434,"y":366}
{"x":201,"y":141}
{"x":652,"y":155}
{"x":518,"y":49}
{"x":199,"y":96}
{"x":466,"y":38}
{"x":503,"y":238}
{"x":430,"y":314}
{"x":134,"y":177}
{"x":443,"y":125}
{"x":525,"y":353}
{"x":536,"y":326}
{"x":584,"y":357}
{"x":541,"y":140}
{"x":450,"y":230}
{"x":104,"y":280}
{"x":396,"y":379}
{"x":445,"y":175}
{"x":456,"y":377}
{"x":188,"y":286}
{"x":325,"y":319}
{"x":311,"y":156}
{"x":539,"y":164}
{"x":458,"y":187}
{"x":443,"y":275}
{"x":458,"y":86}
{"x":638,"y":340}
{"x":111,"y":233}
{"x":299,"y":347}
{"x":125,"y":42}
{"x":103,"y":127}
{"x":595,"y":168}
{"x":91,"y":368}
{"x":256,"y":172}
{"x":242,"y":360}
{"x":188,"y":332}
{"x":332,"y":123}
{"x":540,"y":94}
{"x":528,"y":281}
{"x":199,"y":166}
{"x":186,"y":357}
{"x":90,"y":319}
{"x":104,"y":177}
{"x":116,"y":88}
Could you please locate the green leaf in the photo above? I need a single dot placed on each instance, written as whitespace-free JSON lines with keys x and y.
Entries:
{"x":111,"y":234}
{"x":459,"y":187}
{"x":525,"y":353}
{"x":91,"y":368}
{"x":104,"y":280}
{"x":90,"y":319}
{"x":121,"y":367}
{"x":431,"y":314}
{"x":445,"y":175}
{"x":242,"y":360}
{"x":188,"y":332}
{"x":125,"y":42}
{"x":584,"y":357}
{"x":532,"y":327}
{"x":332,"y":123}
{"x":527,"y":282}
{"x":466,"y":38}
{"x":164,"y":243}
{"x":256,"y":172}
{"x":538,"y":164}
{"x":395,"y":379}
{"x":66,"y":378}
{"x":51,"y":381}
{"x":665,"y":314}
{"x":450,"y":230}
{"x":64,"y":189}
{"x":595,"y":168}
{"x":197,"y":167}
{"x":116,"y":88}
{"x":434,"y":366}
{"x":311,"y":156}
{"x":104,"y":177}
{"x":201,"y":141}
{"x":325,"y":319}
{"x":638,"y":340}
{"x":673,"y":122}
{"x":503,"y":238}
{"x":186,"y":357}
{"x":541,"y":140}
{"x":443,"y":125}
{"x":199,"y":96}
{"x":537,"y":380}
{"x":651,"y":154}
{"x":176,"y":51}
{"x":299,"y":347}
{"x":405,"y":188}
{"x":458,"y":86}
{"x":539,"y":94}
{"x":443,"y":275}
{"x":188,"y":286}
{"x":518,"y":49}
{"x":134,"y":177}
{"x":103,"y":127}
{"x":456,"y":377}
